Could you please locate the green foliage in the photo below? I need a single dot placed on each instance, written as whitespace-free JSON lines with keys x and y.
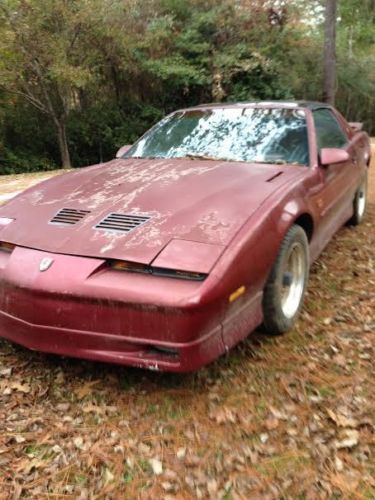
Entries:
{"x":12,"y":163}
{"x":106,"y":70}
{"x":96,"y":134}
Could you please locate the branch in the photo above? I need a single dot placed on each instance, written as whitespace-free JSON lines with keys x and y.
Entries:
{"x":26,"y":95}
{"x":47,"y":107}
{"x":38,"y":71}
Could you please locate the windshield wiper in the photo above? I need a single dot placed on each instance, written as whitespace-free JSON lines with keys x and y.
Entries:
{"x":190,"y":156}
{"x":203,"y":157}
{"x":143,"y":157}
{"x":270,"y":162}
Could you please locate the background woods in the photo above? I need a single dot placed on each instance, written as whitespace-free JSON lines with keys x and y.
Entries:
{"x":80,"y":78}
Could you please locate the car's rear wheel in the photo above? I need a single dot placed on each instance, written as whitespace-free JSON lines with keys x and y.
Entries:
{"x":286,"y":285}
{"x":359,"y":203}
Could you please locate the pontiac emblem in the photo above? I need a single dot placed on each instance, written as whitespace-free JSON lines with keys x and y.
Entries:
{"x":45,"y":264}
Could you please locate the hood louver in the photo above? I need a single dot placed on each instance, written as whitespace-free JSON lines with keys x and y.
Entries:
{"x":68,"y":216}
{"x":122,"y":222}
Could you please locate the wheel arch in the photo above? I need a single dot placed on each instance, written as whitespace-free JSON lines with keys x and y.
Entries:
{"x":306,"y":222}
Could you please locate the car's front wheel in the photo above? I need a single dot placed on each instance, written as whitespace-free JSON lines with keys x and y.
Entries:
{"x":286,"y":285}
{"x":359,"y":203}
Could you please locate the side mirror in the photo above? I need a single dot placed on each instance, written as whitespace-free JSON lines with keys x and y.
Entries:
{"x":331,"y":156}
{"x":356,"y":126}
{"x":123,"y":150}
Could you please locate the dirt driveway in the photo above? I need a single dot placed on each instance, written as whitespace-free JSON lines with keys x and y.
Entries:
{"x":288,"y":417}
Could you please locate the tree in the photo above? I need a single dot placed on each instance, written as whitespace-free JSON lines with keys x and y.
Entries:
{"x":103,"y":71}
{"x":329,"y":62}
{"x":41,"y":60}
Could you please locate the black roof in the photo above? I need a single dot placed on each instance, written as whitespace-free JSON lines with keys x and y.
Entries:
{"x":301,"y":104}
{"x":313,"y":104}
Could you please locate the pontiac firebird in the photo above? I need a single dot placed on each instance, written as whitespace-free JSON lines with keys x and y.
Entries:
{"x":170,"y":254}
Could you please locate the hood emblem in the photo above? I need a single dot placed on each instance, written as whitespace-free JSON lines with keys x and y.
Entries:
{"x":45,"y":264}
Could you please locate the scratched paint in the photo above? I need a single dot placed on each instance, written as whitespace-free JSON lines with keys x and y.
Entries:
{"x":186,"y":199}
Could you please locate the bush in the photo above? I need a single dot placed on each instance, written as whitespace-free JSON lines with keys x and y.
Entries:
{"x":10,"y":163}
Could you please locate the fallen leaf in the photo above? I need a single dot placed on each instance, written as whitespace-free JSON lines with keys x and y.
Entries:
{"x":223,"y":416}
{"x":167,"y":486}
{"x":144,"y":448}
{"x":63,"y":407}
{"x":25,"y":388}
{"x":341,"y":420}
{"x":263,"y":437}
{"x":108,"y":476}
{"x":351,"y":440}
{"x":181,"y":452}
{"x":91,"y":408}
{"x":339,"y":464}
{"x":278,"y":414}
{"x":78,"y":442}
{"x":34,"y":464}
{"x":86,"y":389}
{"x":340,"y":360}
{"x":212,"y":486}
{"x":272,"y":423}
{"x":156,"y":465}
{"x":346,"y":482}
{"x":192,"y":461}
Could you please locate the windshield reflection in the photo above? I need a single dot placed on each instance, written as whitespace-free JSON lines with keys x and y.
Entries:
{"x":237,"y":134}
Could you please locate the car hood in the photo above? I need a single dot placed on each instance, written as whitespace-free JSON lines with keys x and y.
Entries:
{"x":196,"y":200}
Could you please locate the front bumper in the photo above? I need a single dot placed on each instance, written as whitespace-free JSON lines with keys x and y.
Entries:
{"x":81,"y":308}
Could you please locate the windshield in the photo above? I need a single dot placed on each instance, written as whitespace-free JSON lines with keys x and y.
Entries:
{"x":245,"y":134}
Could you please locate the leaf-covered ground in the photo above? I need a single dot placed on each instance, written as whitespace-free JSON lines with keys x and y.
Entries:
{"x":289,"y":417}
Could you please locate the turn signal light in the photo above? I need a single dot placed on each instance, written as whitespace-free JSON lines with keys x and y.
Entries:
{"x":123,"y":265}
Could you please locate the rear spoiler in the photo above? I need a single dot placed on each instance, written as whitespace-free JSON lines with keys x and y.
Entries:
{"x":356,"y":126}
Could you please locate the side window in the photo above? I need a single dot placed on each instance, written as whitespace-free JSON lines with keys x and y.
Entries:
{"x":329,"y":134}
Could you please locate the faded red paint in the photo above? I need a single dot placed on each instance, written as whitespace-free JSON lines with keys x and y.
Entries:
{"x":236,"y":213}
{"x":187,"y":199}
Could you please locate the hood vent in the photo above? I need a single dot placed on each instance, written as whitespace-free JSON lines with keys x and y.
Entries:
{"x":68,"y":216}
{"x":122,"y":222}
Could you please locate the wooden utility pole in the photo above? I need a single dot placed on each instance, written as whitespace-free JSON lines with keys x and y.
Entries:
{"x":329,"y":63}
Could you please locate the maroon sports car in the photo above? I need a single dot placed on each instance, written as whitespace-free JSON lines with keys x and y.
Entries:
{"x":169,"y":255}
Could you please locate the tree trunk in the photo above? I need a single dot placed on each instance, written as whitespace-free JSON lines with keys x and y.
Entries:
{"x":63,"y":146}
{"x":329,"y":63}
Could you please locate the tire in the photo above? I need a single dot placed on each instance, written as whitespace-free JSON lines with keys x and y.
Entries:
{"x":359,"y":203}
{"x":285,"y":288}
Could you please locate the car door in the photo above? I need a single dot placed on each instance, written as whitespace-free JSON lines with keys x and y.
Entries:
{"x":338,"y":181}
